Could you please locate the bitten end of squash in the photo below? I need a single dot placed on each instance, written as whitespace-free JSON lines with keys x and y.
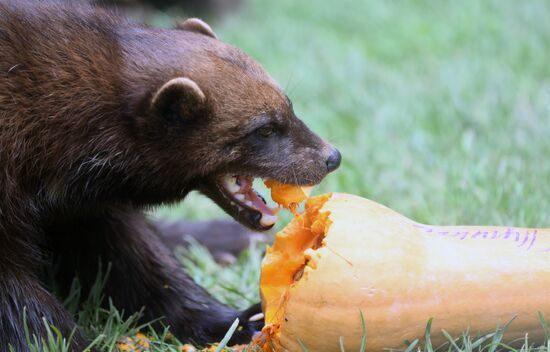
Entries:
{"x":294,"y":252}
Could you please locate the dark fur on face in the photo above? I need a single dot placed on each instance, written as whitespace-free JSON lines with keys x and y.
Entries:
{"x":100,"y":117}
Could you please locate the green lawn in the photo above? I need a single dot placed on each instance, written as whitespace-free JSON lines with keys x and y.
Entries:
{"x":441,"y":110}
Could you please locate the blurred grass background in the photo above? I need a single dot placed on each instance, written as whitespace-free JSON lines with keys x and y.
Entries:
{"x":441,"y":109}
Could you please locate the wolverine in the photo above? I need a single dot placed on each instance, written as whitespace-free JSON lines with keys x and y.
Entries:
{"x":101,"y":119}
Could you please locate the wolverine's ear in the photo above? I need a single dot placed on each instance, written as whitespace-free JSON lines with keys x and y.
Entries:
{"x":179,"y":98}
{"x":197,"y":26}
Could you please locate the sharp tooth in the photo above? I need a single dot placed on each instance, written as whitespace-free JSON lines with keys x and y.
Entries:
{"x":239,"y":196}
{"x":268,"y":220}
{"x":230,"y":183}
{"x":256,"y":317}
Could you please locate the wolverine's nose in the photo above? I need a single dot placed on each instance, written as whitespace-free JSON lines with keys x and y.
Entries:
{"x":334,"y":160}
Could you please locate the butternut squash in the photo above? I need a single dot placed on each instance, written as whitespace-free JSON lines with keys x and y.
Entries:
{"x":347,"y":256}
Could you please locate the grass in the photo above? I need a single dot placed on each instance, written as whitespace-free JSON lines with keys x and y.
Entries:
{"x":440,"y":108}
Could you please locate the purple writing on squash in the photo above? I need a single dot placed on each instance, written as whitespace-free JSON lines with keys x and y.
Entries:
{"x":523,"y":238}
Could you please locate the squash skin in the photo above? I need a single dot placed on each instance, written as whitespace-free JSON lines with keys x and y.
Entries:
{"x":399,"y":273}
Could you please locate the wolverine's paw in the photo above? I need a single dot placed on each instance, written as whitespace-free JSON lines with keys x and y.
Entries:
{"x":251,"y":322}
{"x":254,"y":316}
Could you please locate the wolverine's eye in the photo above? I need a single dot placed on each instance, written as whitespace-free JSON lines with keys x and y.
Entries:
{"x":266,"y":131}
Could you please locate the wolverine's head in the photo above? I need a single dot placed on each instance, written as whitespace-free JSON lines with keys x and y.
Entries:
{"x":220,"y":120}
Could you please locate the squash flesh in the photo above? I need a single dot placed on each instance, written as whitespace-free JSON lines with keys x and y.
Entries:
{"x":286,"y":195}
{"x":399,"y":274}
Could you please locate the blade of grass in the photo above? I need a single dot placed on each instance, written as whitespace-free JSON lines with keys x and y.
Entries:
{"x":411,"y":346}
{"x":427,"y":337}
{"x":364,"y":338}
{"x":479,"y":342}
{"x":451,"y":340}
{"x":302,"y":346}
{"x":228,"y":335}
{"x":544,"y":325}
{"x":499,"y":335}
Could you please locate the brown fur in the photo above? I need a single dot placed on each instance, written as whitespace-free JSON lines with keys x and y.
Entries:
{"x":88,"y":137}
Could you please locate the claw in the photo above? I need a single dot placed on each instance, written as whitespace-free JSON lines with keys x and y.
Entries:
{"x":256,"y":317}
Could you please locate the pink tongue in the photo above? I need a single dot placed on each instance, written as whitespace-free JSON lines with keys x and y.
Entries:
{"x":258,"y":203}
{"x":245,"y":183}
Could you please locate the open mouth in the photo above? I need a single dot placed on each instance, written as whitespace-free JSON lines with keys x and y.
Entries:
{"x":245,"y":203}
